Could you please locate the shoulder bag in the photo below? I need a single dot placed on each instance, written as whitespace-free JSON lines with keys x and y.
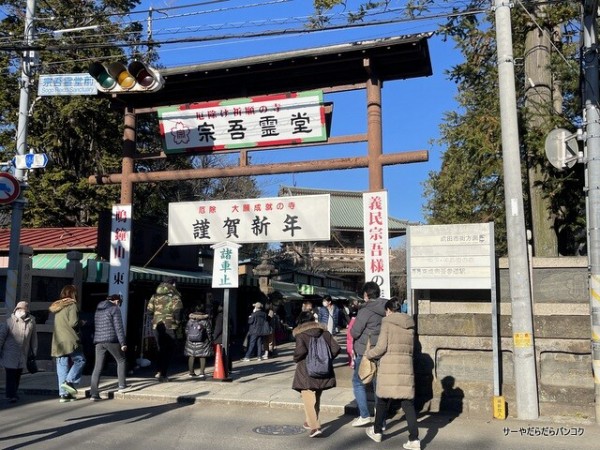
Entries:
{"x":367,"y":368}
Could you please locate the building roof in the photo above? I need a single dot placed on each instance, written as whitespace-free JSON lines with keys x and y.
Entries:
{"x":50,"y":239}
{"x":347,"y":209}
{"x":392,"y":58}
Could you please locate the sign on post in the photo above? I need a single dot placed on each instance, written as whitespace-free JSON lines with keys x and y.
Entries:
{"x":457,"y":256}
{"x":225,"y":265}
{"x":10,"y":188}
{"x":30,"y":161}
{"x":120,"y":246}
{"x":377,"y":261}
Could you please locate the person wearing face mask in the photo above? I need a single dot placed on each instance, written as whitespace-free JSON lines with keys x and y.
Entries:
{"x":329,"y":315}
{"x":17,"y":336}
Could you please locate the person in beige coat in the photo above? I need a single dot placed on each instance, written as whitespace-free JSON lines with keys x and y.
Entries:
{"x":17,"y":336}
{"x":395,"y":374}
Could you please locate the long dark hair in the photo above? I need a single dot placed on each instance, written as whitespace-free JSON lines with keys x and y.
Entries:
{"x":304,"y":317}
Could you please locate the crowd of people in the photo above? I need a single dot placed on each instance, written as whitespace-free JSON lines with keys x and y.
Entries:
{"x":376,"y":329}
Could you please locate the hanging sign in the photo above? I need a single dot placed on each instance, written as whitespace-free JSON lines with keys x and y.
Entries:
{"x":267,"y":120}
{"x":277,"y":219}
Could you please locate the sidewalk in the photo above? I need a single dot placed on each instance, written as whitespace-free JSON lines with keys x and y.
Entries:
{"x":265,"y":383}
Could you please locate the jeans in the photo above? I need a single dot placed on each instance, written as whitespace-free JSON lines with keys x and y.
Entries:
{"x":409,"y":412}
{"x":254,"y":340}
{"x":115,"y":350}
{"x":360,"y":390}
{"x":68,"y":374}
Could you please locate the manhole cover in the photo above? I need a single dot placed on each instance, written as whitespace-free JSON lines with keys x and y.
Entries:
{"x":279,"y":430}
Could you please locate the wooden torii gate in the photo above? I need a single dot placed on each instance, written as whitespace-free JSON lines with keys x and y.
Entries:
{"x":338,"y":68}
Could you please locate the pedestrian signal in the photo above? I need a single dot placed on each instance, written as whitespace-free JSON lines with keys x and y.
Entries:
{"x":116,"y":78}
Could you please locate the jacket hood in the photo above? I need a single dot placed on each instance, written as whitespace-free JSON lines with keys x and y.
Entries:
{"x":61,"y":304}
{"x":166,"y":289}
{"x":198,"y":316}
{"x":104,"y":304}
{"x":311,"y":328}
{"x":401,"y":320}
{"x":377,"y":306}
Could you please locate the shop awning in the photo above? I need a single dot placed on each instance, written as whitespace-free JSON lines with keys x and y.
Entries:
{"x":97,"y":272}
{"x":288,"y":291}
{"x":339,"y":294}
{"x":57,"y":261}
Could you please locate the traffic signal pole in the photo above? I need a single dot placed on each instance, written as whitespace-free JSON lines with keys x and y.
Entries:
{"x":28,"y":60}
{"x":520,"y":294}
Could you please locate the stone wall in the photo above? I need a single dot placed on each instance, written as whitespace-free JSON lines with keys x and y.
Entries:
{"x":455,"y":369}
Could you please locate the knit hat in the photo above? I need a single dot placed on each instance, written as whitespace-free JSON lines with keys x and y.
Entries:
{"x":22,"y":305}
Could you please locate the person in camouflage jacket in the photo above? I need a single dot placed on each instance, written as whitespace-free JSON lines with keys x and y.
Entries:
{"x":166,"y":309}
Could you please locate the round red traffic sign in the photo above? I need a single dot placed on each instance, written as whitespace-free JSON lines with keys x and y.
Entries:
{"x":9,"y":188}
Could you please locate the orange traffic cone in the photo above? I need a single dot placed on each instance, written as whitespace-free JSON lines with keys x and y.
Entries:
{"x":220,"y":372}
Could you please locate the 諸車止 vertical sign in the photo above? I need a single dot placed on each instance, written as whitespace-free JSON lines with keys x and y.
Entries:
{"x":120,"y":246}
{"x":377,"y":261}
{"x":225,"y":265}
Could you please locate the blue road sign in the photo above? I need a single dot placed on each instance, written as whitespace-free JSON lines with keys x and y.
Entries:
{"x":30,"y":161}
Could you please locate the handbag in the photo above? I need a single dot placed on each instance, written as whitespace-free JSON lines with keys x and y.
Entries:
{"x":31,"y":362}
{"x":367,"y":369}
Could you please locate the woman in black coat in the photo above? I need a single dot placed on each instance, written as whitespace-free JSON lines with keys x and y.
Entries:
{"x":309,"y":387}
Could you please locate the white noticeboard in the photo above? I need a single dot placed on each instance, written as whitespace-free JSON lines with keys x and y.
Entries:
{"x":457,"y":256}
{"x":277,"y":219}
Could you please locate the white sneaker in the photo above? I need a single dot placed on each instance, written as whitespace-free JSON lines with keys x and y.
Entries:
{"x":375,"y":436}
{"x":360,"y":421}
{"x":245,"y":359}
{"x":413,"y":445}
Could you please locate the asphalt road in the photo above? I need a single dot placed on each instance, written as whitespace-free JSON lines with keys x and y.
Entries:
{"x":43,"y":423}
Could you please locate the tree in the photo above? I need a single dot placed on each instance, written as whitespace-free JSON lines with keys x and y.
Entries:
{"x":469,"y":186}
{"x":83,"y":135}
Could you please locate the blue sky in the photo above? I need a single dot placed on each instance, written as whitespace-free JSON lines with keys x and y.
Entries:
{"x":413,"y":109}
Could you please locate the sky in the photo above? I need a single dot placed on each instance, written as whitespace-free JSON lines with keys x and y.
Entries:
{"x":412,"y":109}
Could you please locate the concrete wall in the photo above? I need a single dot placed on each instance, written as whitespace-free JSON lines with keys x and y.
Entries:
{"x":455,"y":369}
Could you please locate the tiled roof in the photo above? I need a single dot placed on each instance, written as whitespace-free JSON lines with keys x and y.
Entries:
{"x":346,"y":209}
{"x":63,"y":239}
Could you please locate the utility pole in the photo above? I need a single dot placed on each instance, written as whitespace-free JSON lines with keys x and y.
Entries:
{"x":28,"y":61}
{"x":592,"y":161}
{"x":522,"y":320}
{"x":538,"y":101}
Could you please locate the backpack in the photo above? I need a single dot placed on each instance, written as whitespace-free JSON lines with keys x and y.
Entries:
{"x":319,"y":361}
{"x":196,"y":332}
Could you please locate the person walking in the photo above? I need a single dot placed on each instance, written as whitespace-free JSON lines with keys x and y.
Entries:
{"x":66,"y":343}
{"x":365,"y":328}
{"x":258,"y":327}
{"x":18,"y":337}
{"x":328,"y":315}
{"x":199,"y":340}
{"x":311,"y":388}
{"x":395,"y":374}
{"x":166,"y":309}
{"x":109,"y":336}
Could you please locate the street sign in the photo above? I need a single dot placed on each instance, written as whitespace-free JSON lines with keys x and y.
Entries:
{"x":9,"y":188}
{"x":67,"y":84}
{"x":561,"y":148}
{"x":30,"y":161}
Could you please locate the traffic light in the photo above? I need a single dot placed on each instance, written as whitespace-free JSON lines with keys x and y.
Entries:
{"x":115,"y":78}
